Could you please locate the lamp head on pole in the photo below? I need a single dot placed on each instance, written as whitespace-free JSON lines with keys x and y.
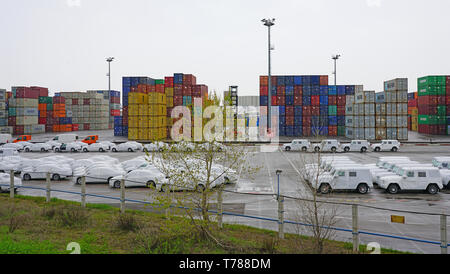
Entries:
{"x":278,"y":172}
{"x":335,"y":57}
{"x":109,"y":59}
{"x":268,"y":22}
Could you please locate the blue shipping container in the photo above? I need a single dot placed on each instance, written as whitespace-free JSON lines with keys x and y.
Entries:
{"x":264,"y":100}
{"x":298,"y":80}
{"x":324,"y":100}
{"x":332,"y":90}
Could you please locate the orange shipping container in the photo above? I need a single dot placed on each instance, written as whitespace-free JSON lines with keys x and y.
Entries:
{"x":59,"y":107}
{"x":58,"y":114}
{"x":56,"y":128}
{"x":42,"y":107}
{"x":43,"y":114}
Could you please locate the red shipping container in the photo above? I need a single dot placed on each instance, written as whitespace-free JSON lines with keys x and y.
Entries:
{"x":306,"y":121}
{"x":18,"y":130}
{"x":42,"y":120}
{"x":134,"y":89}
{"x":142,"y":88}
{"x":341,"y":110}
{"x":315,"y":111}
{"x":441,"y":130}
{"x":341,"y":100}
{"x":315,"y":100}
{"x":441,"y":100}
{"x":289,"y":120}
{"x":298,"y":91}
{"x":43,"y":92}
{"x":178,"y":90}
{"x":48,"y":128}
{"x":189,"y":79}
{"x":448,"y":81}
{"x":298,"y":100}
{"x":60,"y":100}
{"x":428,"y":100}
{"x":86,"y":102}
{"x":151,"y":88}
{"x":187,"y":90}
{"x":264,"y":91}
{"x":11,"y":121}
{"x":168,"y":82}
{"x":289,"y":111}
{"x":281,"y":91}
{"x":332,"y":130}
{"x":332,"y":100}
{"x":264,"y":81}
{"x":274,"y":101}
{"x":178,"y":100}
{"x":75,"y":102}
{"x":427,"y":110}
{"x":324,"y":80}
{"x":88,"y":126}
{"x":281,"y":100}
{"x":75,"y":127}
{"x":306,"y":111}
{"x":412,"y":103}
{"x":159,"y":88}
{"x":307,"y":131}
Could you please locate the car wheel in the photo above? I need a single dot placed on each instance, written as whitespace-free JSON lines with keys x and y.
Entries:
{"x":85,"y":149}
{"x":79,"y":181}
{"x":56,"y":177}
{"x":151,"y":184}
{"x":101,"y":150}
{"x":317,"y":149}
{"x":304,"y":149}
{"x":200,"y":188}
{"x":165,"y":188}
{"x":393,"y":189}
{"x":108,"y":179}
{"x":346,"y":149}
{"x":363,"y":150}
{"x":73,"y":150}
{"x":394,"y":149}
{"x":117,"y":184}
{"x":27,"y":150}
{"x":325,"y":188}
{"x":56,"y":149}
{"x":288,"y":148}
{"x":377,"y":149}
{"x":130,"y":150}
{"x":363,"y":189}
{"x":333,"y":149}
{"x":42,"y":149}
{"x":433,"y":189}
{"x":114,"y":150}
{"x":26,"y":177}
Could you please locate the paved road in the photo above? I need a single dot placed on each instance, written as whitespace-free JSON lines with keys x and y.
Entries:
{"x":259,"y":200}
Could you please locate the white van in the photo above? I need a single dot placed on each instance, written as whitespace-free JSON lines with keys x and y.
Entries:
{"x":5,"y":138}
{"x":413,"y":178}
{"x":346,"y":178}
{"x":65,"y":138}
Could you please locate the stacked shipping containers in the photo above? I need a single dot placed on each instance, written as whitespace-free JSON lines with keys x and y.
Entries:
{"x":307,"y":105}
{"x":433,"y":104}
{"x":378,"y":116}
{"x":413,"y":112}
{"x":4,"y":128}
{"x":23,"y":110}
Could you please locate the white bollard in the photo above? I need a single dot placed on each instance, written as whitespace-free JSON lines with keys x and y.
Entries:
{"x":83,"y":191}
{"x":48,"y":187}
{"x":11,"y":184}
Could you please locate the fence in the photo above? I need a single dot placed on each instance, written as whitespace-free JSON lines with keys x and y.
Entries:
{"x":280,"y":220}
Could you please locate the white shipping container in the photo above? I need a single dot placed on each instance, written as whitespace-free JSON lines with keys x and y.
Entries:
{"x":391,"y":109}
{"x":349,"y":121}
{"x":402,"y":96}
{"x":402,"y":109}
{"x":349,"y":132}
{"x":391,"y":121}
{"x":349,"y":109}
{"x":402,"y":121}
{"x":27,"y":112}
{"x":369,"y":96}
{"x":6,"y":130}
{"x":350,"y":99}
{"x":380,"y":109}
{"x":391,"y":97}
{"x":369,"y":109}
{"x":369,"y":133}
{"x":359,"y":97}
{"x":3,"y":114}
{"x":380,"y":121}
{"x":26,"y":120}
{"x":361,"y":121}
{"x":396,"y":84}
{"x":380,"y":134}
{"x":402,"y":134}
{"x":391,"y":133}
{"x":369,"y":121}
{"x":359,"y":88}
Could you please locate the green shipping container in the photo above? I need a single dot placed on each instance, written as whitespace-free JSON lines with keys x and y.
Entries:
{"x":428,"y":90}
{"x":431,"y":81}
{"x":12,"y":112}
{"x":332,"y":110}
{"x":159,"y":82}
{"x":427,"y":120}
{"x":441,"y":120}
{"x":441,"y":110}
{"x":45,"y":100}
{"x":341,"y":131}
{"x":50,"y":106}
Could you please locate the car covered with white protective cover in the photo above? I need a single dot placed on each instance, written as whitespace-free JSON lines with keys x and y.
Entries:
{"x":15,"y":146}
{"x":70,"y":147}
{"x":98,"y":173}
{"x":96,"y":147}
{"x":148,"y":177}
{"x":156,"y":146}
{"x":386,"y":145}
{"x":5,"y":181}
{"x":108,"y":143}
{"x":356,"y":146}
{"x":297,"y":145}
{"x":125,"y":147}
{"x":38,"y":147}
{"x":356,"y":178}
{"x":39,"y":170}
{"x":413,"y":179}
{"x":326,"y":146}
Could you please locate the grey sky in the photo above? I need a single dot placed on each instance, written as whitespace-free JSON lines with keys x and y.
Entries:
{"x":62,"y":44}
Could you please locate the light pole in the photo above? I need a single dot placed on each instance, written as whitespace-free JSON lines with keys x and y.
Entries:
{"x":278,"y":172}
{"x":268,"y":23}
{"x":335,"y":58}
{"x":109,"y":60}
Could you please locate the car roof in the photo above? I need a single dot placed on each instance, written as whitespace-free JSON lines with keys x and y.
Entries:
{"x":421,"y":168}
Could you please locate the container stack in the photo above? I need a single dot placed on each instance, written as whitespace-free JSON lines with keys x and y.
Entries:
{"x":307,"y":105}
{"x":4,"y":128}
{"x":413,"y":112}
{"x":433,"y":104}
{"x":114,"y":107}
{"x":61,"y":123}
{"x":23,"y":111}
{"x":361,"y":115}
{"x":396,"y":92}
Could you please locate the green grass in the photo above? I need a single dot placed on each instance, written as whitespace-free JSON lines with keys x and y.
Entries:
{"x":49,"y":227}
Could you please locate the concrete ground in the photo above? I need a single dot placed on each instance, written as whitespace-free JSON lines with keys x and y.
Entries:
{"x":254,"y":195}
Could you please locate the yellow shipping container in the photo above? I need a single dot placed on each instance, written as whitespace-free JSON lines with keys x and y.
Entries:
{"x":133,"y":110}
{"x":143,"y":122}
{"x":169,"y":92}
{"x":133,"y":133}
{"x":143,"y":134}
{"x":136,"y":98}
{"x":133,"y":121}
{"x":152,"y":98}
{"x":169,"y":102}
{"x":143,"y":110}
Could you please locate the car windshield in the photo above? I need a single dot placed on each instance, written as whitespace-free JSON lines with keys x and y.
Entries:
{"x":400,"y":172}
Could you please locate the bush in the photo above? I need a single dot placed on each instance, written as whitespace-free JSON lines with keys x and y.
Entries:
{"x":127,"y":222}
{"x":15,"y":218}
{"x":73,"y":216}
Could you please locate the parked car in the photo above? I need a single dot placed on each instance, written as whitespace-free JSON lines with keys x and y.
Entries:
{"x":386,"y":145}
{"x":14,"y":146}
{"x":156,"y":146}
{"x":214,"y":146}
{"x":297,"y":145}
{"x":413,"y":178}
{"x":5,"y":139}
{"x":100,"y":174}
{"x":95,"y":147}
{"x":356,"y":146}
{"x":72,"y":147}
{"x":441,"y":162}
{"x":149,"y":177}
{"x":346,"y":178}
{"x":108,"y":143}
{"x":130,"y":147}
{"x":139,"y":146}
{"x":22,"y":138}
{"x":91,"y":139}
{"x":184,"y":147}
{"x":21,"y":145}
{"x":65,"y":138}
{"x":327,"y":146}
{"x":39,"y":172}
{"x":5,"y":179}
{"x":41,"y":147}
{"x":7,"y":152}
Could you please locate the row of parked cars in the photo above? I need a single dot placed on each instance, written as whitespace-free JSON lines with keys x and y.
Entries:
{"x":393,"y":174}
{"x":335,"y":146}
{"x":104,"y":169}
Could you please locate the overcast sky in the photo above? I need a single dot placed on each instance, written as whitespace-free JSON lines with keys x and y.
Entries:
{"x":62,"y":44}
